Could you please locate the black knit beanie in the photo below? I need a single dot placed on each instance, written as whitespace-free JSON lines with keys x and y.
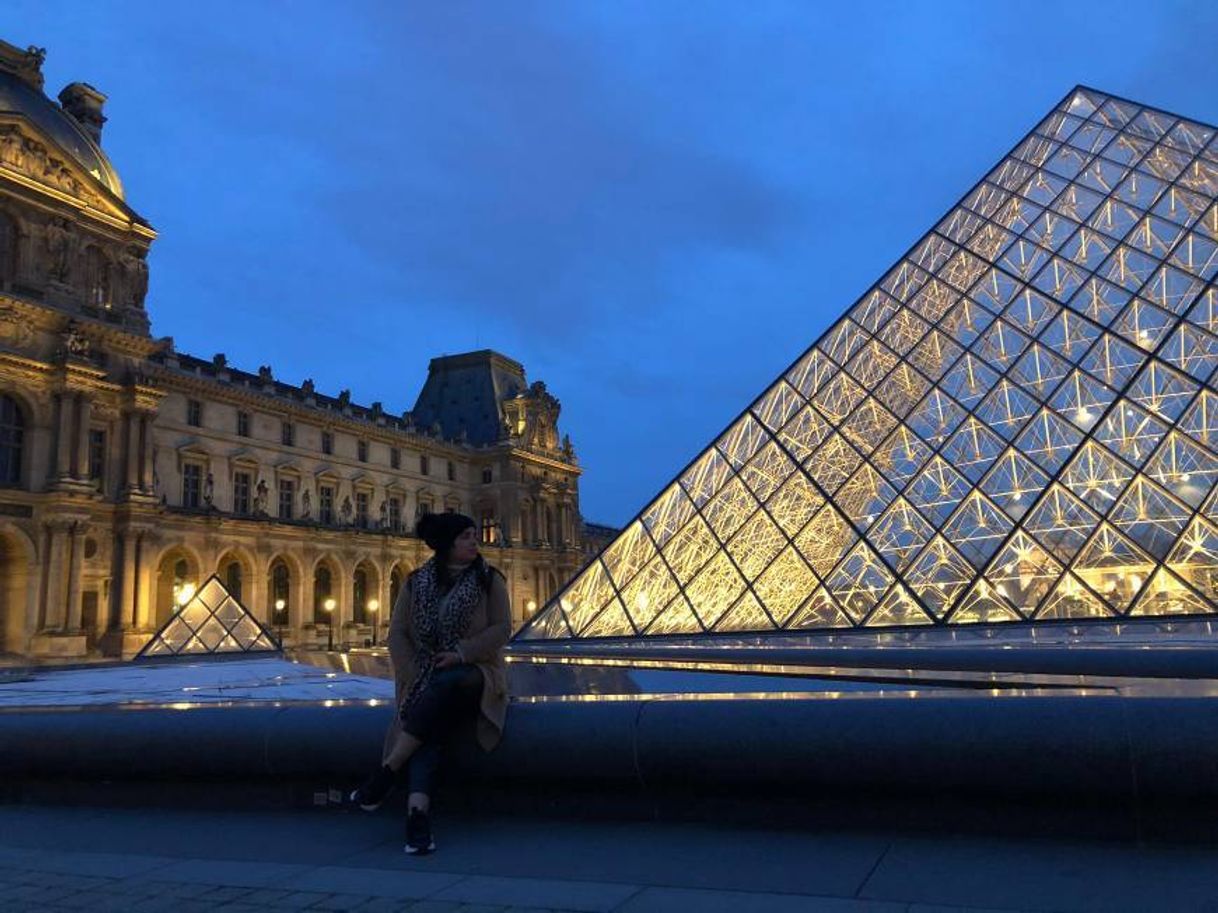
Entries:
{"x":439,"y":531}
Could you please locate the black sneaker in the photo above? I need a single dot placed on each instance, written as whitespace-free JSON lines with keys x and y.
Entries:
{"x":418,"y":833}
{"x":375,"y":790}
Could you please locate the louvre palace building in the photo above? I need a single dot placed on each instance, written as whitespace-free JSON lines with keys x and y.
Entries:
{"x":130,"y":472}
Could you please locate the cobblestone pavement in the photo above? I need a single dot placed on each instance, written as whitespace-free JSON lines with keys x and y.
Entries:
{"x":65,"y":858}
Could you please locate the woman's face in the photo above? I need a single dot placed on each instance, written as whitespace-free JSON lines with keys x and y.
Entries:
{"x":465,"y":546}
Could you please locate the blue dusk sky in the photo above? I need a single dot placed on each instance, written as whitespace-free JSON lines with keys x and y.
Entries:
{"x":655,"y":206}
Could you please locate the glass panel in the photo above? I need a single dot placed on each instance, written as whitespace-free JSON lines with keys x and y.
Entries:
{"x":804,"y":433}
{"x":667,"y":514}
{"x":983,"y":605}
{"x":1099,"y":300}
{"x":825,"y":539}
{"x":835,"y":462}
{"x":864,"y":496}
{"x":1131,"y":432}
{"x":1006,"y":409}
{"x":746,"y":615}
{"x":903,"y":331}
{"x":811,"y":373}
{"x":934,"y":354}
{"x":1023,"y":573}
{"x":937,"y":490}
{"x":902,"y":389}
{"x":900,"y":534}
{"x":1150,"y":516}
{"x":1061,"y":523}
{"x":1191,"y":350}
{"x":728,"y":510}
{"x":777,"y":406}
{"x":843,"y":341}
{"x":586,"y":596}
{"x":901,"y":456}
{"x":1039,"y":371}
{"x":650,"y":591}
{"x":935,"y":417}
{"x":611,"y":622}
{"x":838,"y":398}
{"x":1014,"y":483}
{"x":969,"y":380}
{"x":767,"y":470}
{"x":869,"y":424}
{"x":934,"y":300}
{"x":713,"y":591}
{"x":977,"y":529}
{"x":1195,"y":559}
{"x":1197,"y":255}
{"x":973,"y":449}
{"x":1081,"y":399}
{"x":706,"y":476}
{"x":1096,"y":476}
{"x":1172,"y":289}
{"x":1167,"y":595}
{"x":1071,"y":599}
{"x":689,"y":549}
{"x":874,"y":310}
{"x":820,"y":611}
{"x":966,"y":321}
{"x":1113,"y":567}
{"x":1181,"y":206}
{"x":871,"y":363}
{"x":939,"y":575}
{"x":1185,"y":469}
{"x":1162,"y":390}
{"x":676,"y":618}
{"x":742,"y":440}
{"x":1112,"y":361}
{"x":859,"y":582}
{"x":1200,"y":420}
{"x":794,"y":503}
{"x":898,"y":608}
{"x":1031,"y":312}
{"x":627,"y":554}
{"x":755,"y":546}
{"x":1143,"y":324}
{"x":1048,"y":440}
{"x":785,"y":585}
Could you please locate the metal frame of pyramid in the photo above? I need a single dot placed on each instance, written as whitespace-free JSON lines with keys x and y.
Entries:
{"x":212,"y":622}
{"x":1018,"y":423}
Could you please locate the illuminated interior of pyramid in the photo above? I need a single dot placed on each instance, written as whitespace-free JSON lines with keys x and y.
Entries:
{"x":1018,"y":423}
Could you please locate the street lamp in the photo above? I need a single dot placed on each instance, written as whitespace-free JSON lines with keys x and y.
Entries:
{"x":329,"y":605}
{"x":374,"y":606}
{"x":280,"y":605}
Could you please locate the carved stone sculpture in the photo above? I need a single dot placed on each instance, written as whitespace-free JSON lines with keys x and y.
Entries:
{"x":209,"y":490}
{"x":306,"y":504}
{"x":135,"y":276}
{"x":260,"y":498}
{"x":345,"y":512}
{"x":59,"y":242}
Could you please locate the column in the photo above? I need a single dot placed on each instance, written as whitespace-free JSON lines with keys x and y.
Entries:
{"x":145,"y":611}
{"x":63,"y":445}
{"x":258,"y":595}
{"x":76,"y":560}
{"x":146,"y":463}
{"x":346,"y":606}
{"x":82,"y":437}
{"x":133,"y":451}
{"x":125,"y":591}
{"x":53,"y":608}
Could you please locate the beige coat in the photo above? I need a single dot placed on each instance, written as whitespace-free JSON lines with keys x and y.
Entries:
{"x":490,"y":625}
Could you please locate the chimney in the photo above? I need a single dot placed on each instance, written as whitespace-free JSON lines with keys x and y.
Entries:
{"x":84,"y":103}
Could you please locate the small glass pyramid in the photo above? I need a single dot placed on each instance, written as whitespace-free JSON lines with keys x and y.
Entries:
{"x":1019,"y":422}
{"x":211,"y":622}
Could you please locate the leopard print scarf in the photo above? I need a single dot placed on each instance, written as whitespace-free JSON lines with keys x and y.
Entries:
{"x":439,"y":622}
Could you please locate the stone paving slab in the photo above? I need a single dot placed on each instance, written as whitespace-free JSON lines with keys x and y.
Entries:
{"x":588,"y":896}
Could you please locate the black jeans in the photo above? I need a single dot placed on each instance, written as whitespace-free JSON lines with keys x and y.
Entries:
{"x":452,"y":697}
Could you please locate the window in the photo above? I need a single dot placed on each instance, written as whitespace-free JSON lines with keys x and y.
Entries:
{"x":287,"y":498}
{"x":97,"y":275}
{"x":488,"y":476}
{"x":241,"y":492}
{"x":395,"y":514}
{"x":359,"y":593}
{"x":424,"y":464}
{"x":12,"y":431}
{"x":97,"y":454}
{"x":452,"y":471}
{"x":425,"y":506}
{"x":361,"y":451}
{"x":243,"y":423}
{"x":323,"y":584}
{"x":194,"y":413}
{"x":232,"y":579}
{"x":287,"y":434}
{"x":325,"y":504}
{"x":192,"y":484}
{"x":395,"y":458}
{"x":8,"y":249}
{"x":361,"y":509}
{"x":281,"y":589}
{"x":490,"y":532}
{"x":327,"y":442}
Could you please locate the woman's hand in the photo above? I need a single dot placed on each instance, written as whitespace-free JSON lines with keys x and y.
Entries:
{"x":447,"y":658}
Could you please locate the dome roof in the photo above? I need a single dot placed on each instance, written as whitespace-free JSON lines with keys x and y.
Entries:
{"x":18,"y":97}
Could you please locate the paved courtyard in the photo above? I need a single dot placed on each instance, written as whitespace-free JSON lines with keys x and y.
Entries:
{"x":101,"y":859}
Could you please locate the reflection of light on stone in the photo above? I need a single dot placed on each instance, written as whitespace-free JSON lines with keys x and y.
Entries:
{"x":183,"y":593}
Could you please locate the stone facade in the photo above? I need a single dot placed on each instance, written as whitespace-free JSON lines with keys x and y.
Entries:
{"x":130,"y":472}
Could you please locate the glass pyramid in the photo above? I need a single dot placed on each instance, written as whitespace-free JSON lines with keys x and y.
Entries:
{"x":212,"y":621}
{"x":1019,"y":422}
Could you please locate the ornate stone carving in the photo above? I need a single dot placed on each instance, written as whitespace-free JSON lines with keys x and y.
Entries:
{"x":14,"y":328}
{"x":135,"y":276}
{"x":75,"y":343}
{"x":60,"y":243}
{"x":31,"y":158}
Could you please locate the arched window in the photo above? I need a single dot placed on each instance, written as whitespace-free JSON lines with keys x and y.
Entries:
{"x":8,"y":249}
{"x":97,"y":273}
{"x":359,"y":612}
{"x":232,"y":578}
{"x":322,"y":587}
{"x":281,"y":589}
{"x":12,"y":435}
